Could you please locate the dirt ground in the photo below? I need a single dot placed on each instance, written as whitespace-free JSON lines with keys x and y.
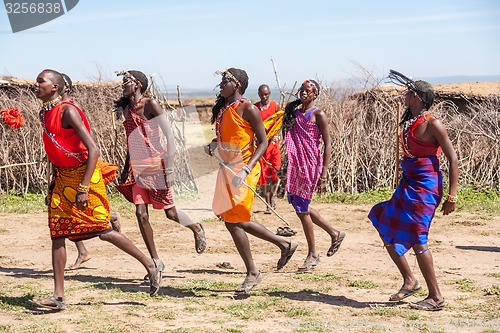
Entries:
{"x":346,"y":292}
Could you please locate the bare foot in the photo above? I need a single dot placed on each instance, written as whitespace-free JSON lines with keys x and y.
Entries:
{"x":114,"y":218}
{"x":200,"y":241}
{"x":79,"y":261}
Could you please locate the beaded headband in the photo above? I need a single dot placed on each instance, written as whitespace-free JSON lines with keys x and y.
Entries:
{"x":314,"y":86}
{"x":128,"y":75}
{"x":226,"y":74}
{"x":65,"y":81}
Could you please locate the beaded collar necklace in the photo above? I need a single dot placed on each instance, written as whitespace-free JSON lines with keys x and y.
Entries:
{"x":49,"y":105}
{"x":46,"y":107}
{"x":133,"y":109}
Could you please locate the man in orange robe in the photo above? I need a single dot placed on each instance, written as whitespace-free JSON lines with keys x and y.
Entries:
{"x":238,"y":122}
{"x":270,"y":162}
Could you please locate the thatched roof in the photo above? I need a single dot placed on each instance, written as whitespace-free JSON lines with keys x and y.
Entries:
{"x":466,"y":90}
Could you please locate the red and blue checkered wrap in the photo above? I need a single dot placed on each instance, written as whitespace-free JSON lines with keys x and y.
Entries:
{"x":405,"y":219}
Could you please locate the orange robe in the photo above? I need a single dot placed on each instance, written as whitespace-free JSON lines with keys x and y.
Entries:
{"x":235,"y":146}
{"x":68,"y":154}
{"x":270,"y":161}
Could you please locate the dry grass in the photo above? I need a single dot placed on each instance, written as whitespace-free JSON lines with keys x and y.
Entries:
{"x":362,"y":131}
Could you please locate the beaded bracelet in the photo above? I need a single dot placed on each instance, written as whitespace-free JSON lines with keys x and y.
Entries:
{"x":83,"y":188}
{"x":246,"y":169}
{"x":452,"y":198}
{"x":169,"y":171}
{"x":324,"y":179}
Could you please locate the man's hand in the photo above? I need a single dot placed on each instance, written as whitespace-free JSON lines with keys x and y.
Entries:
{"x":239,"y":178}
{"x":448,"y":207}
{"x":210,"y":148}
{"x":82,"y":200}
{"x":321,"y":187}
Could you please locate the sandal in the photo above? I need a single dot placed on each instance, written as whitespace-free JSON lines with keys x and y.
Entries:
{"x":285,"y":232}
{"x":154,"y":286}
{"x":428,"y":305}
{"x":287,"y":255}
{"x":308,"y":265}
{"x":200,"y":242}
{"x":52,"y":303}
{"x":336,"y":245}
{"x":249,"y":282}
{"x":405,"y":292}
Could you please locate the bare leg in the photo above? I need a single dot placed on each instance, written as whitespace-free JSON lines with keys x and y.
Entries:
{"x":266,"y":193}
{"x":321,"y":222}
{"x":409,"y":279}
{"x":58,"y":265}
{"x":83,"y":255}
{"x":240,"y":239}
{"x":123,"y":243}
{"x":426,"y":264}
{"x":142,"y":215}
{"x":258,"y":230}
{"x":272,"y":189}
{"x":307,"y":225}
{"x":183,"y":219}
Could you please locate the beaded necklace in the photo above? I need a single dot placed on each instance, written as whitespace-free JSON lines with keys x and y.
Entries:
{"x":135,"y":105}
{"x":218,"y":129}
{"x":49,"y":105}
{"x":46,"y":107}
{"x":406,"y":132}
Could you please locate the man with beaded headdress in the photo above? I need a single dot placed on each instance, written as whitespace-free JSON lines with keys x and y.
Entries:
{"x":78,"y":204}
{"x":147,"y":176}
{"x":404,"y":221}
{"x":238,"y":124}
{"x":270,"y":162}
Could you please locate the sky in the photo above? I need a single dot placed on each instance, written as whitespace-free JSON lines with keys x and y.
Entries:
{"x":185,"y":42}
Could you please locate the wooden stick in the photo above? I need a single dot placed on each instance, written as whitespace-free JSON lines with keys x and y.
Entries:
{"x":291,"y":93}
{"x":17,"y":164}
{"x":398,"y":132}
{"x":282,"y":94}
{"x":221,"y":162}
{"x":183,"y":116}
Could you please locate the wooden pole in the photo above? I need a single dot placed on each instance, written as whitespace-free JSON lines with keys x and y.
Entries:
{"x":291,"y":93}
{"x":183,"y":114}
{"x":282,"y":94}
{"x":398,"y":133}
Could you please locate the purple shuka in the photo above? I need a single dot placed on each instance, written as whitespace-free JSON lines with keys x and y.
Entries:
{"x":304,"y":156}
{"x":405,"y":219}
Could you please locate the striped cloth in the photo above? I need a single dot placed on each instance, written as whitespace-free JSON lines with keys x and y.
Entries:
{"x":147,"y":160}
{"x":405,"y":219}
{"x":304,"y":156}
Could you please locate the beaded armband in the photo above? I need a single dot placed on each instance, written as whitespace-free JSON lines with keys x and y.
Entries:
{"x":452,"y":198}
{"x":83,"y":188}
{"x":246,"y":169}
